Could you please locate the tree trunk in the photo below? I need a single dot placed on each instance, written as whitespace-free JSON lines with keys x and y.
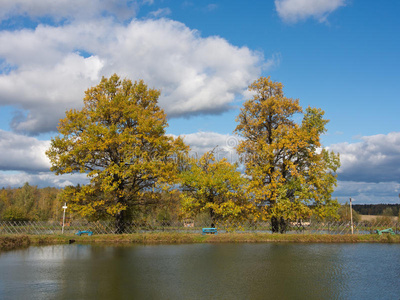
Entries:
{"x":283,"y":225}
{"x":274,"y":225}
{"x":120,"y":218}
{"x":212,"y":216}
{"x":120,"y":222}
{"x":278,"y":225}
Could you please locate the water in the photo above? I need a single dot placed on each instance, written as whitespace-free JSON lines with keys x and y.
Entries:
{"x":202,"y":271}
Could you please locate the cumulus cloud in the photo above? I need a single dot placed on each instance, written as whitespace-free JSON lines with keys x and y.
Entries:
{"x":369,"y":171}
{"x":295,"y":10}
{"x":24,"y":158}
{"x":47,"y":70}
{"x":46,"y":92}
{"x":375,"y":159}
{"x":41,"y":179}
{"x":367,"y":192}
{"x":70,"y":9}
{"x":20,"y":152}
{"x":224,"y":144}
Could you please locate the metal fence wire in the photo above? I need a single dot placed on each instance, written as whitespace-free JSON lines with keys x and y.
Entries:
{"x":104,"y":227}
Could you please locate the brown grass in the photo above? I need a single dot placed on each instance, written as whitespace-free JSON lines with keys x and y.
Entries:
{"x":371,"y":218}
{"x":17,"y":241}
{"x":14,"y":242}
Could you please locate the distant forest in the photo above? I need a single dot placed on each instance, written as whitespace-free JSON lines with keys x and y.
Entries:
{"x":33,"y":203}
{"x":30,"y":203}
{"x":377,"y":209}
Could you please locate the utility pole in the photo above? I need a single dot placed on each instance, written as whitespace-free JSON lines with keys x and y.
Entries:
{"x":351,"y":218}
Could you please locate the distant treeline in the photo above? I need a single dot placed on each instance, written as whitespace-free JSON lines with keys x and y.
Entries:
{"x":43,"y":204}
{"x":377,"y":209}
{"x":30,"y":203}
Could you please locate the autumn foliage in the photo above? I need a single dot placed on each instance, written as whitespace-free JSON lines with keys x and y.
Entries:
{"x":118,"y":140}
{"x":216,"y":188}
{"x":292,"y":176}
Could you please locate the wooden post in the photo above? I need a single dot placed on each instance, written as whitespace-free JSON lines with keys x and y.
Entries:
{"x":351,"y":218}
{"x":398,"y":219}
{"x":64,"y":207}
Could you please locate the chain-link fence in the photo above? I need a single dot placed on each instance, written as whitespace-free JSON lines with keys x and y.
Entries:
{"x":104,"y":227}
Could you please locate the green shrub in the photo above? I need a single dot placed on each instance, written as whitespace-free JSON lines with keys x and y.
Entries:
{"x":344,"y":214}
{"x":14,"y":213}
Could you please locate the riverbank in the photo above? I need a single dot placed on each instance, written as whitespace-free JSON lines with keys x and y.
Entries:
{"x":14,"y":242}
{"x":9,"y":242}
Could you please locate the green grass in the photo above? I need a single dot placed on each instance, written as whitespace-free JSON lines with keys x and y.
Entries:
{"x":9,"y":242}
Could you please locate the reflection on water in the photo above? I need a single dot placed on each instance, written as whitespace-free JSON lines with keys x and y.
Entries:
{"x":202,"y":271}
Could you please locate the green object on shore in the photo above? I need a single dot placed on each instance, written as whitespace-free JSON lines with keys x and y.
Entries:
{"x":389,"y":230}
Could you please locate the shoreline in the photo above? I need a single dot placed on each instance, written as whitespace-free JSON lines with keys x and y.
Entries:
{"x":11,"y":242}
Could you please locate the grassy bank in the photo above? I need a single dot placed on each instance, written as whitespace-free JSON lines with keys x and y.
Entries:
{"x":14,"y":242}
{"x":184,"y":238}
{"x":9,"y":242}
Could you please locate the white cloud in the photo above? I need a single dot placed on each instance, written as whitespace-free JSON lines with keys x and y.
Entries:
{"x":224,"y":145}
{"x":46,"y":92}
{"x":201,"y":142}
{"x":161,"y":12}
{"x":370,"y":169}
{"x":375,"y":159}
{"x":367,"y":192}
{"x":20,"y":152}
{"x":71,"y":9}
{"x":53,"y":66}
{"x":369,"y":173}
{"x":295,"y":10}
{"x":41,"y":179}
{"x":24,"y":158}
{"x":196,"y":75}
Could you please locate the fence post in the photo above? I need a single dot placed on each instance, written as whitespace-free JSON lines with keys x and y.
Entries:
{"x":63,"y":222}
{"x":351,"y":217}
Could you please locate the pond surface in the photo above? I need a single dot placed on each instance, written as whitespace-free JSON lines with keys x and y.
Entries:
{"x":202,"y":271}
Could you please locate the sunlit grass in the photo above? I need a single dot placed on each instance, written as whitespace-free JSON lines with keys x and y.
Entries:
{"x":9,"y":242}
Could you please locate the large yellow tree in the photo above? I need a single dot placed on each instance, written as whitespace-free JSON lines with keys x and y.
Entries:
{"x":118,"y":139}
{"x":292,"y":176}
{"x":214,"y":187}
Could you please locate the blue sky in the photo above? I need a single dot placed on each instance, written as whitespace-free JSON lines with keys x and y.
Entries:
{"x":348,"y":65}
{"x":338,"y":55}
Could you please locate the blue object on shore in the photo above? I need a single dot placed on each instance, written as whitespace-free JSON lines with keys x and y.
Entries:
{"x":89,"y":233}
{"x":210,"y":231}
